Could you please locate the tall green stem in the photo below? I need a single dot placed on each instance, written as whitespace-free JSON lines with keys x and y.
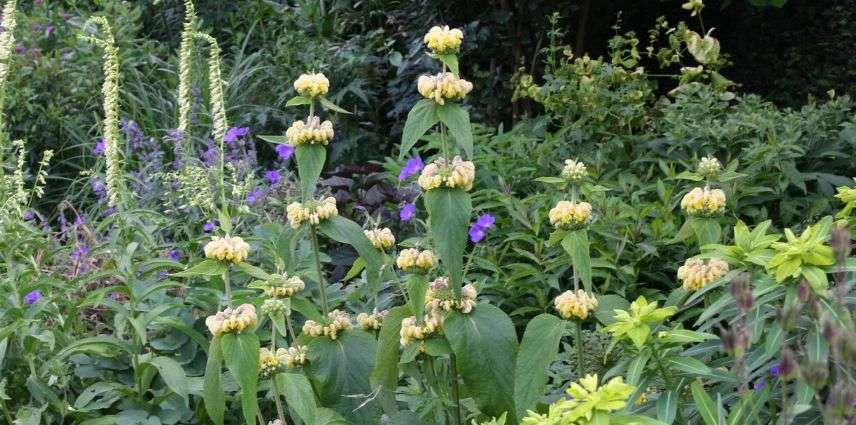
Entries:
{"x":276,"y":394}
{"x":322,"y":285}
{"x":579,"y":344}
{"x":456,"y":393}
{"x":227,"y":288}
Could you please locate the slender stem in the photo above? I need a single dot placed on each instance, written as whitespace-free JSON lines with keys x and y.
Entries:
{"x":288,"y":325}
{"x":6,"y":413}
{"x":443,"y":142}
{"x":260,"y":417}
{"x":579,"y":344}
{"x":456,"y":394}
{"x":322,"y":285}
{"x":785,"y":413}
{"x":276,"y":394}
{"x":227,"y":288}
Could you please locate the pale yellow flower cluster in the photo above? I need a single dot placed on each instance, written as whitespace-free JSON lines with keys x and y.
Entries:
{"x":271,"y":363}
{"x":230,"y":249}
{"x":574,"y":170}
{"x":695,"y":273}
{"x":704,"y":202}
{"x":412,"y":330}
{"x":458,"y":174}
{"x":339,"y":321}
{"x":439,"y":296}
{"x":570,"y":215}
{"x":272,"y":306}
{"x":284,"y":286}
{"x":313,"y":131}
{"x":709,"y":166}
{"x":313,"y":213}
{"x":575,"y":305}
{"x":373,"y":321}
{"x":416,"y":261}
{"x":381,"y":239}
{"x":443,"y":86}
{"x":312,"y":85}
{"x":232,"y":320}
{"x":442,"y":40}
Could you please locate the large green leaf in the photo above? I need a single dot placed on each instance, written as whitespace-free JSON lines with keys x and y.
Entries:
{"x":241,"y":352}
{"x":206,"y":267}
{"x":298,"y":394}
{"x":485,"y":344}
{"x":538,"y":349}
{"x":417,"y":285}
{"x":310,"y":162}
{"x":667,"y":406}
{"x":420,"y":119}
{"x":106,"y":346}
{"x":212,"y":390}
{"x":385,"y":373}
{"x":340,"y":229}
{"x":340,"y":372}
{"x":706,"y":407}
{"x":707,"y":230}
{"x":448,"y":217}
{"x":576,"y":244}
{"x":172,"y":374}
{"x":457,"y":119}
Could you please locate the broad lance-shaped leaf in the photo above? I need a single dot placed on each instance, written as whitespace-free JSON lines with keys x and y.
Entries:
{"x":707,"y":230}
{"x":417,"y":286}
{"x":241,"y":352}
{"x":457,"y":119}
{"x":310,"y":162}
{"x":172,"y":374}
{"x":212,"y":390}
{"x":576,"y":244}
{"x":538,"y":349}
{"x":385,"y":373}
{"x":340,"y":372}
{"x":298,"y":395}
{"x":420,"y":119}
{"x":206,"y":267}
{"x":485,"y":345}
{"x":448,"y":217}
{"x":342,"y":230}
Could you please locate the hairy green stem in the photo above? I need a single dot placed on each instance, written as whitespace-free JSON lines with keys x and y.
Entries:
{"x":227,"y":288}
{"x":322,"y":285}
{"x":456,"y":393}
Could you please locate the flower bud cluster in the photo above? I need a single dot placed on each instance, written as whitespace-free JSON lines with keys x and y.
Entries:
{"x":230,"y":249}
{"x":695,"y":273}
{"x":574,"y":170}
{"x":415,"y":261}
{"x":459,"y":173}
{"x":312,"y":132}
{"x":443,"y":87}
{"x":381,"y":239}
{"x":412,"y":330}
{"x":373,"y":321}
{"x":570,"y":215}
{"x":312,"y":212}
{"x":232,"y":320}
{"x":704,"y":202}
{"x":442,"y":40}
{"x":575,"y":305}
{"x":439,"y":296}
{"x":339,"y":321}
{"x":312,"y":85}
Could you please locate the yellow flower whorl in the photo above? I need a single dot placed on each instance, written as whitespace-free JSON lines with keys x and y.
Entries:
{"x":439,"y":297}
{"x":571,"y":305}
{"x":416,"y":261}
{"x":373,"y":321}
{"x":570,"y":215}
{"x":381,"y":239}
{"x":313,"y":213}
{"x":339,"y":321}
{"x":704,"y":202}
{"x":284,"y":286}
{"x":312,"y":85}
{"x":443,"y":86}
{"x":442,"y":40}
{"x":458,"y":174}
{"x":312,"y":132}
{"x":696,"y":274}
{"x":230,"y":249}
{"x":411,"y":330}
{"x":709,"y":166}
{"x":574,"y":170}
{"x":232,"y":320}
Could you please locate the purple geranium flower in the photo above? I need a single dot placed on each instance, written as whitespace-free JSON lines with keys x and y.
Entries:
{"x":29,"y":215}
{"x":100,"y":147}
{"x":209,"y":226}
{"x":759,"y":384}
{"x":407,"y":212}
{"x":175,"y":255}
{"x":255,"y":196}
{"x":273,"y":176}
{"x":479,"y":228}
{"x":284,"y":152}
{"x":20,"y":49}
{"x":33,"y":297}
{"x":80,"y":252}
{"x":235,"y":133}
{"x":774,"y":370}
{"x":413,"y":166}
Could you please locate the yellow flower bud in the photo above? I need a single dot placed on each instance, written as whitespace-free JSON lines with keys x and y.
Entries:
{"x":232,"y":320}
{"x":696,"y":274}
{"x":231,"y":249}
{"x":313,"y":131}
{"x":313,"y":212}
{"x":704,"y":202}
{"x":443,"y":86}
{"x":575,"y":305}
{"x":312,"y":85}
{"x":574,"y":170}
{"x":415,"y":261}
{"x":458,"y":174}
{"x":442,"y":40}
{"x":381,"y":239}
{"x":570,"y":215}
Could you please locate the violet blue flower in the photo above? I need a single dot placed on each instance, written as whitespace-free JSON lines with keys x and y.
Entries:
{"x":175,"y":255}
{"x":413,"y":166}
{"x":209,"y":226}
{"x":774,"y":370}
{"x":479,"y":228}
{"x":33,"y":297}
{"x":20,"y":49}
{"x":759,"y":384}
{"x":255,"y":196}
{"x":273,"y":177}
{"x":235,"y":133}
{"x":100,"y":147}
{"x":80,"y":252}
{"x":407,"y":212}
{"x":29,"y":215}
{"x":284,"y":152}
